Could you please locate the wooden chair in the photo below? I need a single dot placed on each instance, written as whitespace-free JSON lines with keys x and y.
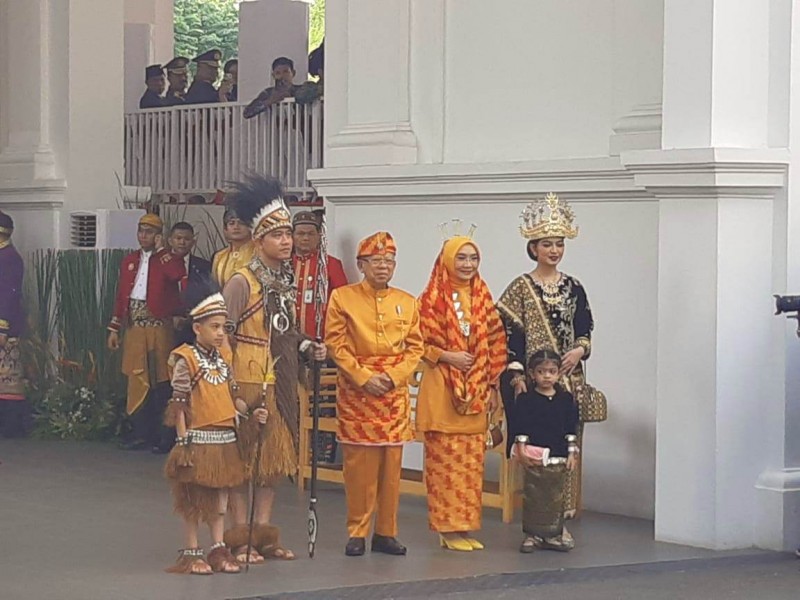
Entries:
{"x":501,"y":494}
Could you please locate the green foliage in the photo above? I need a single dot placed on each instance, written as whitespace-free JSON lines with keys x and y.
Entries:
{"x":201,"y":25}
{"x":316,"y":24}
{"x":74,"y":384}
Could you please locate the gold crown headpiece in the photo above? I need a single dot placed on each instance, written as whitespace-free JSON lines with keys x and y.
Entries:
{"x":550,"y":217}
{"x":455,"y":228}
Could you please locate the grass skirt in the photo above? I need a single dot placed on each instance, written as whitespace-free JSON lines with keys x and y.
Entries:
{"x":197,"y":472}
{"x":278,"y":455}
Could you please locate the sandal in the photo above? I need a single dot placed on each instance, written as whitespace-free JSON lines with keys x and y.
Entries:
{"x":278,"y":552}
{"x":241,"y":556}
{"x":528,"y":545}
{"x":221,"y":559}
{"x":557,"y":543}
{"x":190,"y":562}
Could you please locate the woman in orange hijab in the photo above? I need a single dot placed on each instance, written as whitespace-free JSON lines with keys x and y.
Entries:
{"x":465,"y":352}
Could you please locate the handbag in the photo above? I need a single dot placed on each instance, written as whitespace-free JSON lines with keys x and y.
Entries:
{"x":494,"y":432}
{"x":592,"y":403}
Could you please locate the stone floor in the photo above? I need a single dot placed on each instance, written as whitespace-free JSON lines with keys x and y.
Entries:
{"x":86,"y":521}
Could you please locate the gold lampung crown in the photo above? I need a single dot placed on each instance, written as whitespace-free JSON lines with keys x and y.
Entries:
{"x":548,"y":218}
{"x":455,"y":228}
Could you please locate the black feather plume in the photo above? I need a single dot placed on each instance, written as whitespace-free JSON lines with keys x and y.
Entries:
{"x":253,"y":194}
{"x":197,"y":290}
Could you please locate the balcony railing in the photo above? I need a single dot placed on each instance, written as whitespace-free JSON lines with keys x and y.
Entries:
{"x":186,"y":151}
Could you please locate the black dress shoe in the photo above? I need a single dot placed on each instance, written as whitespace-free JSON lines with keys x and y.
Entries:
{"x":356,"y":546}
{"x":388,"y":545}
{"x":133,"y":445}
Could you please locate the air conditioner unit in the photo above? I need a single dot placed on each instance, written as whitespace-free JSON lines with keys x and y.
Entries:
{"x":104,"y":228}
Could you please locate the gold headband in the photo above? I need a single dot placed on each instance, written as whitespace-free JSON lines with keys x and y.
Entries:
{"x":212,"y":306}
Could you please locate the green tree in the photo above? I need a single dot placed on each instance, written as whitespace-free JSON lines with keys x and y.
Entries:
{"x":201,"y":25}
{"x":316,"y":24}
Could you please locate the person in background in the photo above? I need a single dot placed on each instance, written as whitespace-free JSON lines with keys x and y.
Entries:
{"x":283,"y":74}
{"x":311,"y":91}
{"x":202,"y":90}
{"x":178,"y":78}
{"x":231,"y":73}
{"x":14,"y":409}
{"x":156,"y":84}
{"x":181,"y":242}
{"x":146,"y":300}
{"x":307,"y":235}
{"x":240,"y":248}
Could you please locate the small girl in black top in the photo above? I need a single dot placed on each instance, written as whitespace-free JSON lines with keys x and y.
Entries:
{"x":544,"y":417}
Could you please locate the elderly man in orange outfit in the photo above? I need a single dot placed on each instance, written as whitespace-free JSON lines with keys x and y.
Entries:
{"x":373,"y":335}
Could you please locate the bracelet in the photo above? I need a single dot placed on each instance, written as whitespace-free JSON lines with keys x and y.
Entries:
{"x":183,"y":441}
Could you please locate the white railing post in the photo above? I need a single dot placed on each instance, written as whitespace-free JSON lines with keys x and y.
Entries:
{"x":187,"y":150}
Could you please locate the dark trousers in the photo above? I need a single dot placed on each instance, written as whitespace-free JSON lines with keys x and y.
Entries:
{"x":147,"y":423}
{"x":14,"y":418}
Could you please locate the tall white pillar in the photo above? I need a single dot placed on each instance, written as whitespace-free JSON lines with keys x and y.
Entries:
{"x":719,"y":390}
{"x":368,"y":124}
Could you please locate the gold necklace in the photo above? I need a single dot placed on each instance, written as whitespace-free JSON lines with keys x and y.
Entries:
{"x":552,"y":295}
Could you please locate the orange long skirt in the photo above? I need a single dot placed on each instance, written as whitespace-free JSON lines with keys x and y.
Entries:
{"x":454,"y":479}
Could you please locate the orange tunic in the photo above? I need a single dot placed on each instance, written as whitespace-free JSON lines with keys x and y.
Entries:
{"x":227,"y":261}
{"x":369,"y":332}
{"x":211,"y":403}
{"x":435,"y":407}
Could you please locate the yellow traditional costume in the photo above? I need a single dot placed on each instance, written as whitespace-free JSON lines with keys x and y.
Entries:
{"x":229,"y":260}
{"x":457,"y":316}
{"x":206,"y":459}
{"x":372,"y":331}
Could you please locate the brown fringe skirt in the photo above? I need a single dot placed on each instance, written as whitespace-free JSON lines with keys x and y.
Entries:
{"x":278,"y":455}
{"x":197,"y":472}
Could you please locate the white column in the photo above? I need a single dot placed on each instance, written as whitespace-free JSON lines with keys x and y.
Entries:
{"x":716,"y":180}
{"x":26,"y":154}
{"x":367,"y":79}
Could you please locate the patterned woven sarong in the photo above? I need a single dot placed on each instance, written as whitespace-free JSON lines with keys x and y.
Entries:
{"x":366,"y":419}
{"x":12,"y":383}
{"x":454,"y":480}
{"x":544,"y":500}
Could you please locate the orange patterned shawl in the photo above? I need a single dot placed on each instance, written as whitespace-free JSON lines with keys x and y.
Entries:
{"x":440,"y":329}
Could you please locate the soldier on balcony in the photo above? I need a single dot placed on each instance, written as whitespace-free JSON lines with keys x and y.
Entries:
{"x":202,"y":90}
{"x":156,"y":84}
{"x":178,"y":77}
{"x":147,"y":299}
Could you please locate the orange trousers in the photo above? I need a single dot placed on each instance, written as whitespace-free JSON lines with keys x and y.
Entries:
{"x":372,"y":485}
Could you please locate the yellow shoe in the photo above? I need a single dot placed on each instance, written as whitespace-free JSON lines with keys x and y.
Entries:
{"x":476,"y":545}
{"x":458,"y":544}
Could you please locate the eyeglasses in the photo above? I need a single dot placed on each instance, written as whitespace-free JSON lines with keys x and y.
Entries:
{"x":380,"y":261}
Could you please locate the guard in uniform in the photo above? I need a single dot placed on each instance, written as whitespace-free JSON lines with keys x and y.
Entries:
{"x":373,"y":335}
{"x":147,"y":299}
{"x":178,"y":77}
{"x":156,"y":84}
{"x":202,"y":90}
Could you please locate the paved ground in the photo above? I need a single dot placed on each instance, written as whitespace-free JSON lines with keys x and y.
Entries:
{"x":86,"y":521}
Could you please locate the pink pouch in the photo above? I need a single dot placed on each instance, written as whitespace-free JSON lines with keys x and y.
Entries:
{"x":537,"y":453}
